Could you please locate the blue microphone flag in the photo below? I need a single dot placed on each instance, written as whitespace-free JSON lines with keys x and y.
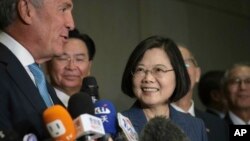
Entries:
{"x":105,"y":110}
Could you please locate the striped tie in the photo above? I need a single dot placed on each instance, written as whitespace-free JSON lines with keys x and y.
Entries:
{"x":41,"y":83}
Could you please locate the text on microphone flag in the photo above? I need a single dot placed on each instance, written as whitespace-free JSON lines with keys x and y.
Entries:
{"x":102,"y":110}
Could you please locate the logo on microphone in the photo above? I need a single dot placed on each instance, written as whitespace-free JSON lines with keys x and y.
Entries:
{"x":95,"y":123}
{"x":102,"y":110}
{"x":56,"y":128}
{"x":127,"y":127}
{"x":87,"y":124}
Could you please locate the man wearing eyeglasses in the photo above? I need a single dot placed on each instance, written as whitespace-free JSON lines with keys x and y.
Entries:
{"x":237,"y":89}
{"x":67,"y":71}
{"x":216,"y":128}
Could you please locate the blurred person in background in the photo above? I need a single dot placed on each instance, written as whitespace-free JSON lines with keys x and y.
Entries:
{"x":211,"y":93}
{"x":67,"y":71}
{"x":236,"y":84}
{"x":216,"y":128}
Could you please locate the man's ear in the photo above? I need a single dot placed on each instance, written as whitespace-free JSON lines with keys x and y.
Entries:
{"x":198,"y":74}
{"x":25,"y":8}
{"x":89,"y":67}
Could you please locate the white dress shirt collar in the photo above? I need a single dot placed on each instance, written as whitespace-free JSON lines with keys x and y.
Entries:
{"x":22,"y":54}
{"x":237,"y":120}
{"x":62,"y":96}
{"x":190,"y":109}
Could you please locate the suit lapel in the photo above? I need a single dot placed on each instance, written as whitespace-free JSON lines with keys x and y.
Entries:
{"x":53,"y":95}
{"x":228,"y":119}
{"x":138,"y":112}
{"x":19,"y":75}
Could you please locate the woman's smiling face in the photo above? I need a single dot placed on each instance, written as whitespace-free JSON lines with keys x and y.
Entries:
{"x":155,"y":82}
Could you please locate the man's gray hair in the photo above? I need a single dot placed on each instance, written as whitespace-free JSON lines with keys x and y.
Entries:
{"x":8,"y":11}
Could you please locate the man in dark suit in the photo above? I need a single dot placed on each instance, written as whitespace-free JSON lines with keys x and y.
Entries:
{"x":31,"y":32}
{"x":211,"y":94}
{"x":216,"y":128}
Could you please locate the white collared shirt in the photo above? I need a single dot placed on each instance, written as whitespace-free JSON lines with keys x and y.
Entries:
{"x":22,"y":54}
{"x":62,"y":96}
{"x":190,"y":109}
{"x":237,"y":120}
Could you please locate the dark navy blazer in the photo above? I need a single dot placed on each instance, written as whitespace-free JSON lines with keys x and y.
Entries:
{"x":228,"y":120}
{"x":217,"y":129}
{"x":21,"y":105}
{"x":193,"y":127}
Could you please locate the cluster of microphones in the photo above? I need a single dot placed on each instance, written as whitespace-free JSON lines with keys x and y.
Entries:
{"x":87,"y":118}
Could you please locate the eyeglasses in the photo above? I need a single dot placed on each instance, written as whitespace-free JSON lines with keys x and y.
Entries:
{"x":238,"y":81}
{"x":157,"y":72}
{"x":189,"y":62}
{"x":77,"y":59}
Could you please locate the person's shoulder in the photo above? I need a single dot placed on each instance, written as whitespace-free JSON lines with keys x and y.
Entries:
{"x":136,"y":116}
{"x":193,"y":119}
{"x":127,"y":112}
{"x":135,"y":108}
{"x":131,"y":112}
{"x":192,"y":126}
{"x":183,"y":117}
{"x":207,"y":116}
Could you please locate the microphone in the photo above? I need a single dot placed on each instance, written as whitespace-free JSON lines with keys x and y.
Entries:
{"x":127,"y":128}
{"x":169,"y":130}
{"x":105,"y":110}
{"x":81,"y":108}
{"x":59,"y":123}
{"x":89,"y":85}
{"x":80,"y":103}
{"x":30,"y":137}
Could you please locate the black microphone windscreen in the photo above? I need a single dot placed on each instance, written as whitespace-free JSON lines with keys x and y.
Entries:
{"x":89,"y":80}
{"x":89,"y":85}
{"x":80,"y":103}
